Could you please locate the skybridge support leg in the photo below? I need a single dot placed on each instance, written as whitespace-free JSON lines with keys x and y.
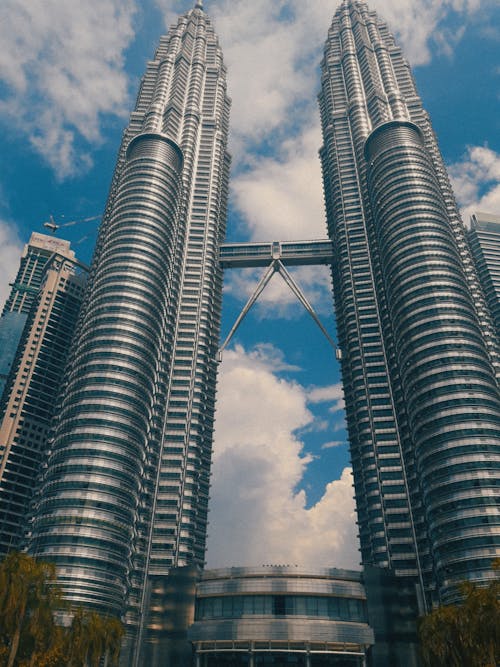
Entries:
{"x":277,"y":266}
{"x":258,"y":291}
{"x":288,"y":278}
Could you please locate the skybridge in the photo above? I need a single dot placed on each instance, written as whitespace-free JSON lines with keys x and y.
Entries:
{"x":290,"y":253}
{"x":276,"y":256}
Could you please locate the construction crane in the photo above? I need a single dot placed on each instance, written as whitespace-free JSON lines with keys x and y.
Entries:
{"x":54,"y":226}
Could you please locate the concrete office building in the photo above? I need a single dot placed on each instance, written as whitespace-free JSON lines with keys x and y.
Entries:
{"x":125,"y":494}
{"x":24,"y":289}
{"x":44,"y":304}
{"x":419,"y":356}
{"x":279,"y":615}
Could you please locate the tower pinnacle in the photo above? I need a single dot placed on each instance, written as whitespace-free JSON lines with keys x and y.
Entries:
{"x":199,"y":4}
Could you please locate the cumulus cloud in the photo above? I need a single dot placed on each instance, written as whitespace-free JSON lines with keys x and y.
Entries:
{"x":281,"y":196}
{"x":277,"y":299}
{"x":334,"y":393}
{"x":476,"y":181}
{"x":268,"y":356}
{"x":257,"y":516}
{"x":273,"y":52}
{"x":332,"y":444}
{"x":10,"y":250}
{"x":62,"y":70}
{"x":417,"y":24}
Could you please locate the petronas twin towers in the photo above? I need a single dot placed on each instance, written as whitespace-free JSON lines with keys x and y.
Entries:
{"x":124,"y":495}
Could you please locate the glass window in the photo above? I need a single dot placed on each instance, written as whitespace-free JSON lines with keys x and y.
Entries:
{"x":227,"y":607}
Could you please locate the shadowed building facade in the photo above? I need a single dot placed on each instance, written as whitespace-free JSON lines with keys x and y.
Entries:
{"x":38,"y":323}
{"x":24,"y":289}
{"x":419,"y":357}
{"x":280,"y":615}
{"x":125,"y":494}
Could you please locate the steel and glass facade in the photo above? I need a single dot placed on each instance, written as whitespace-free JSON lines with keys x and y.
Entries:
{"x":125,"y":494}
{"x":419,"y":355}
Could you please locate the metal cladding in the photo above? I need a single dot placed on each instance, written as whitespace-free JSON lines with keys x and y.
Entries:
{"x":419,"y":350}
{"x":102,"y":440}
{"x":125,"y":493}
{"x":280,"y":614}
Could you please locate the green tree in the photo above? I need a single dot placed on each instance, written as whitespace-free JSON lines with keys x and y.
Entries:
{"x":29,"y":634}
{"x":465,"y":634}
{"x":27,"y":600}
{"x":114,"y":635}
{"x":92,"y":637}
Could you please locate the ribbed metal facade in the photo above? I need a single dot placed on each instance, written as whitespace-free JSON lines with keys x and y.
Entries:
{"x":124,"y":497}
{"x":419,"y":351}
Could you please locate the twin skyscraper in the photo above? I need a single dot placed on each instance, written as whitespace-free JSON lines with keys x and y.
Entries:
{"x":124,"y":495}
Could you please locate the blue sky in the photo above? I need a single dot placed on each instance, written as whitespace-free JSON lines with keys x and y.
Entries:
{"x":68,"y":77}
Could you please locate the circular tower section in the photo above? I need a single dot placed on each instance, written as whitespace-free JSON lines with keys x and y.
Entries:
{"x":88,"y":503}
{"x":447,"y":376}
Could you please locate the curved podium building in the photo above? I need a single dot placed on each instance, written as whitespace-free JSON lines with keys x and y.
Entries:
{"x":280,"y":615}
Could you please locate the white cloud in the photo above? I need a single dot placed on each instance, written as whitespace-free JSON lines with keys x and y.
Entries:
{"x":281,"y":196}
{"x":273,"y":51}
{"x":62,"y":67}
{"x":419,"y":24}
{"x":325,"y":394}
{"x":256,"y":514}
{"x":333,"y":394}
{"x":10,"y":251}
{"x":476,"y":181}
{"x":268,"y":356}
{"x":277,"y":299}
{"x":333,"y":444}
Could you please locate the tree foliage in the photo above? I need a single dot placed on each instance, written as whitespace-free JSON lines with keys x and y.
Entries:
{"x":467,"y":633}
{"x":29,"y":634}
{"x":92,"y":637}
